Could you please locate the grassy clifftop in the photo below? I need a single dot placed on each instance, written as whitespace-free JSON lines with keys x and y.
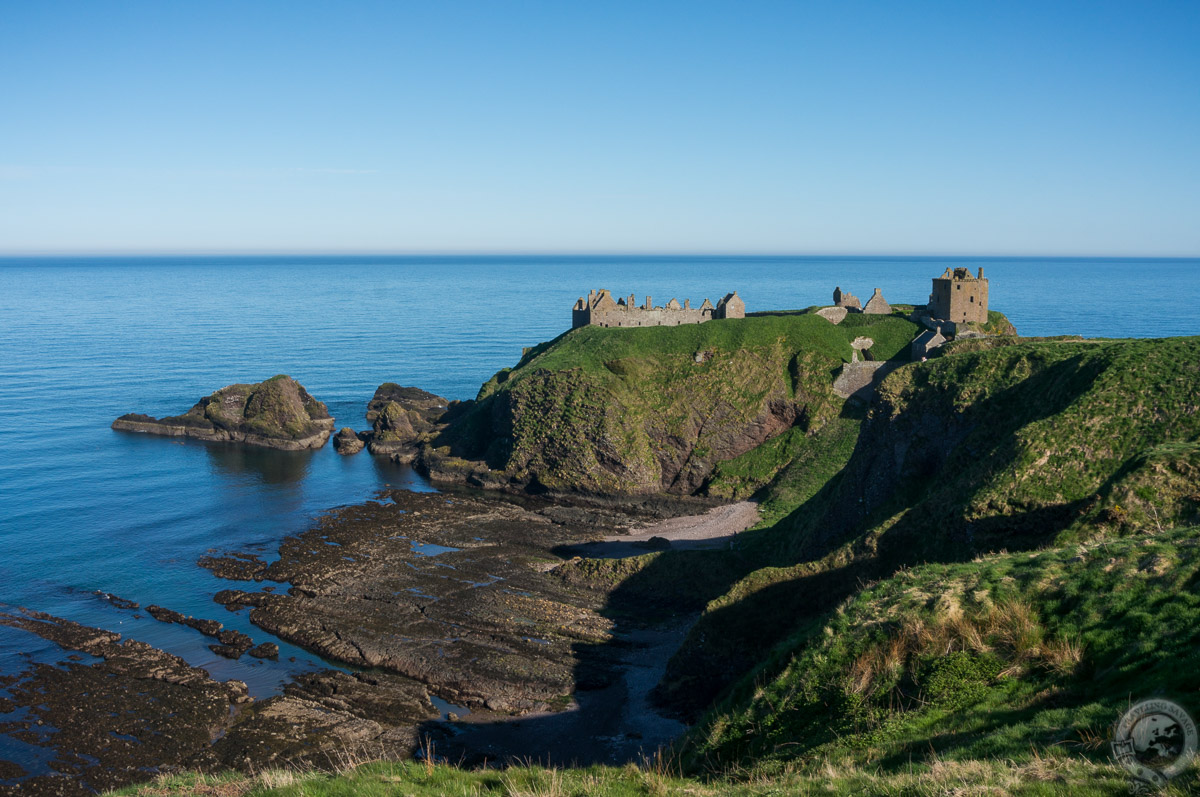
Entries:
{"x":655,"y":409}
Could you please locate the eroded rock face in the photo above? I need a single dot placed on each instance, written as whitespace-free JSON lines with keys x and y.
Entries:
{"x":401,"y":417}
{"x":278,"y":413}
{"x":661,"y":429}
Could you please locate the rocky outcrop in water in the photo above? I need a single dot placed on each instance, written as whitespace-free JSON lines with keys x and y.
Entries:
{"x":401,"y":417}
{"x":347,"y":442}
{"x":278,"y":413}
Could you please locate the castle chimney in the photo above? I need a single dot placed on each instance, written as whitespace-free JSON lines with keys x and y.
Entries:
{"x":981,"y":272}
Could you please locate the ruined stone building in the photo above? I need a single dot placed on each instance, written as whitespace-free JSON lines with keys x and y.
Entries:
{"x":847,"y":300}
{"x":599,"y":309}
{"x":876,"y":305}
{"x":959,"y":297}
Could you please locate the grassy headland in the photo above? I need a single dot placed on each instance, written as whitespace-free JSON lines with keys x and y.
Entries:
{"x":955,"y":590}
{"x":656,"y":409}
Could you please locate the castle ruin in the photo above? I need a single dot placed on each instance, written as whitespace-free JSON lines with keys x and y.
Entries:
{"x":876,"y":305}
{"x":599,"y":309}
{"x":959,"y":297}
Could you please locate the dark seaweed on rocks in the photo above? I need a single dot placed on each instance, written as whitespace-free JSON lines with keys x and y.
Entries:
{"x":139,"y":710}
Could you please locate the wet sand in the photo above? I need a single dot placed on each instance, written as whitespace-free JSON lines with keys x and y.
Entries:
{"x":714,"y":529}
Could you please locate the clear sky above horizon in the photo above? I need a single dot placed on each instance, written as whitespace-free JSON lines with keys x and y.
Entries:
{"x":707,"y":127}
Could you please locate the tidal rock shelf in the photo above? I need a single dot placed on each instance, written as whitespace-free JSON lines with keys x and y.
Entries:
{"x":457,"y":591}
{"x":115,"y":712}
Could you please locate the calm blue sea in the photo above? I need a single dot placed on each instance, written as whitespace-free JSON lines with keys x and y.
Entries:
{"x":83,"y":340}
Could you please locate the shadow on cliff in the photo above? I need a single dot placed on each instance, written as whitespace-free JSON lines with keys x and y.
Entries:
{"x":913,"y":504}
{"x":911,"y":479}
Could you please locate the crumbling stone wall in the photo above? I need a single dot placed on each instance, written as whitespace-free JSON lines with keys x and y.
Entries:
{"x":847,"y":300}
{"x":599,"y":309}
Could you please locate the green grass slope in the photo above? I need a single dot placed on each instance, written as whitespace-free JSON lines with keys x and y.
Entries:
{"x":1008,"y":657}
{"x":1085,"y":452}
{"x":1012,"y":448}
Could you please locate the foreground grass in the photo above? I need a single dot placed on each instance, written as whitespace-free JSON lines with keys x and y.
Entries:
{"x":1053,"y":775}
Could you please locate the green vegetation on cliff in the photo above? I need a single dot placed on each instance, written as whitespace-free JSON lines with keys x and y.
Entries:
{"x":888,"y":623}
{"x":990,"y":659}
{"x":657,"y":408}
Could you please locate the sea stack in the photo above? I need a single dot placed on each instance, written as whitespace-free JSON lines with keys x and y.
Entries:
{"x":277,"y":413}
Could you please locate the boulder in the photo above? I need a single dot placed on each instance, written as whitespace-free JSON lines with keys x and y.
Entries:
{"x":400,"y":416}
{"x":347,"y":442}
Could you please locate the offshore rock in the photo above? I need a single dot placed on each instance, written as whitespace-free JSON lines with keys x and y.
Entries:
{"x":347,"y":442}
{"x":278,"y":413}
{"x":425,"y":404}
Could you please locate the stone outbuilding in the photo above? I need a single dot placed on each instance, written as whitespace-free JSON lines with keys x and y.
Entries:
{"x":926,"y":342}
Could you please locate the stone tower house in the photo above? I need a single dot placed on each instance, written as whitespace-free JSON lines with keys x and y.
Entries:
{"x":959,"y":297}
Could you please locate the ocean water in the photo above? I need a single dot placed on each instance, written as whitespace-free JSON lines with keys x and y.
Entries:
{"x":83,"y":340}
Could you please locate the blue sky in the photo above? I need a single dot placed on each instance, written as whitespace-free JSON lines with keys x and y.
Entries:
{"x":752,"y":127}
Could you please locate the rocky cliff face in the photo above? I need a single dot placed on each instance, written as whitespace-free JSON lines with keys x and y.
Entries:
{"x":278,"y":413}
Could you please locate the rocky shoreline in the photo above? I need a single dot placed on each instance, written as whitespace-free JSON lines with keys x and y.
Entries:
{"x":466,"y":597}
{"x":113,"y":712}
{"x":458,"y":591}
